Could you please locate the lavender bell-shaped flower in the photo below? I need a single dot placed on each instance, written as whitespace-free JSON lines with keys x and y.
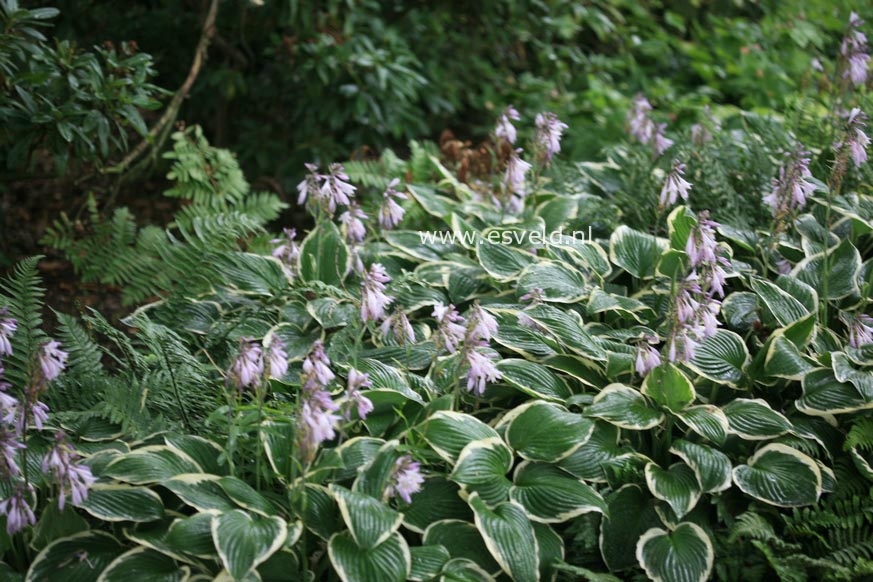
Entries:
{"x":398,"y":325}
{"x":248,"y":368}
{"x":860,"y":330}
{"x":374,"y":301}
{"x":481,"y":371}
{"x":391,"y":213}
{"x":648,"y":358}
{"x":18,"y":513}
{"x":64,"y":465}
{"x":856,"y":140}
{"x":450,"y":328}
{"x":316,"y":366}
{"x":287,"y":251}
{"x":52,"y":360}
{"x":278,"y":357}
{"x":548,"y":134}
{"x":791,"y":189}
{"x":7,"y":330}
{"x":675,"y":186}
{"x":481,"y":325}
{"x":505,"y":130}
{"x":353,"y":223}
{"x":407,"y":479}
{"x":335,"y":188}
{"x":356,"y":381}
{"x":854,"y":51}
{"x":309,"y":187}
{"x":318,"y":418}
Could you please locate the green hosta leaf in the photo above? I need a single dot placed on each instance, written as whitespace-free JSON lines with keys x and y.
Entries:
{"x":711,"y":467}
{"x":53,"y":524}
{"x":740,"y":310}
{"x":682,"y":555}
{"x":587,"y":461}
{"x":551,"y":548}
{"x":784,"y":308}
{"x":669,"y":387}
{"x":677,"y":486}
{"x":636,"y":252}
{"x":631,"y":513}
{"x":244,"y":540}
{"x":560,"y":282}
{"x":781,"y":476}
{"x":463,"y":540}
{"x":823,"y":394}
{"x":144,"y":565}
{"x":278,"y":437}
{"x":533,"y":379}
{"x":389,"y":561}
{"x":123,"y":503}
{"x":784,"y":360}
{"x":150,"y":465}
{"x":549,"y":495}
{"x":375,"y":468}
{"x":721,"y":358}
{"x":625,"y":408}
{"x":844,"y":262}
{"x":679,"y":224}
{"x":510,"y":538}
{"x":61,"y":561}
{"x":246,"y":497}
{"x":755,"y":420}
{"x":707,"y":420}
{"x":464,"y":570}
{"x":557,"y":212}
{"x":567,"y":328}
{"x":483,"y":465}
{"x":191,"y":535}
{"x":369,"y":520}
{"x":844,"y":371}
{"x":449,"y":432}
{"x":501,"y":261}
{"x":319,"y":511}
{"x":599,"y":301}
{"x":527,"y":342}
{"x":540,"y":431}
{"x":437,"y":500}
{"x":427,"y":561}
{"x":324,"y":255}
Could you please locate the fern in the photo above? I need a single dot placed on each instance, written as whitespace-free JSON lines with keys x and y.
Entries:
{"x":22,"y":295}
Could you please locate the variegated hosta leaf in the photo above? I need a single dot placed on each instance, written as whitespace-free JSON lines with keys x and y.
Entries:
{"x":541,"y":431}
{"x":740,"y":310}
{"x":780,"y":475}
{"x":682,"y":555}
{"x":711,"y":467}
{"x":551,"y":550}
{"x":510,"y":538}
{"x":755,"y":420}
{"x":587,"y":461}
{"x":438,"y":499}
{"x":390,"y":561}
{"x":503,"y":262}
{"x":449,"y":432}
{"x":123,"y":503}
{"x":560,"y":282}
{"x":600,"y":301}
{"x":324,"y":255}
{"x":244,"y":540}
{"x":369,"y":520}
{"x":533,"y":379}
{"x":150,"y":465}
{"x":567,"y":327}
{"x":677,"y":486}
{"x":464,"y":570}
{"x":625,"y":408}
{"x":631,"y":513}
{"x":549,"y":495}
{"x":784,"y":360}
{"x":844,"y":371}
{"x":427,"y":561}
{"x":839,"y":265}
{"x":707,"y":420}
{"x":669,"y":387}
{"x":61,"y":561}
{"x":636,"y":252}
{"x":204,"y":452}
{"x":680,"y":221}
{"x":144,"y":565}
{"x":823,"y":394}
{"x":781,"y":304}
{"x":463,"y":541}
{"x":201,"y":491}
{"x":483,"y":466}
{"x":375,"y":474}
{"x":722,"y":358}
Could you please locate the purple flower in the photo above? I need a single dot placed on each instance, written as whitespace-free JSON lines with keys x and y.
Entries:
{"x":675,"y":186}
{"x":701,"y":246}
{"x":18,"y":513}
{"x":308,"y":187}
{"x":548,"y":134}
{"x":52,"y":360}
{"x":783,"y":266}
{"x":38,"y":413}
{"x":248,"y":367}
{"x":481,"y":325}
{"x":398,"y":325}
{"x":278,"y":357}
{"x":856,"y":140}
{"x":648,"y":358}
{"x":639,"y":122}
{"x":7,"y":329}
{"x":791,"y":188}
{"x":316,"y":366}
{"x":450,"y":328}
{"x":514,"y":177}
{"x":407,"y":479}
{"x":9,"y":447}
{"x":860,"y":330}
{"x":287,"y":251}
{"x":505,"y":129}
{"x":481,"y":372}
{"x":358,"y":380}
{"x":64,"y":465}
{"x":660,"y":142}
{"x":535,"y":296}
{"x":391,"y":213}
{"x":854,"y":50}
{"x":373,"y":297}
{"x":352,"y":220}
{"x":318,"y":419}
{"x":335,"y":188}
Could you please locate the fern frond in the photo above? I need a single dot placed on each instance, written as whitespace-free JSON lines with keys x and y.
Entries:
{"x":22,"y":295}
